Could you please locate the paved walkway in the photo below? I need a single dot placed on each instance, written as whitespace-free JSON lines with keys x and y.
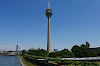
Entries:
{"x":22,"y":62}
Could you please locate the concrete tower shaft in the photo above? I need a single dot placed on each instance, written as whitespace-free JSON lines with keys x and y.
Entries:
{"x":49,"y":14}
{"x":49,"y":37}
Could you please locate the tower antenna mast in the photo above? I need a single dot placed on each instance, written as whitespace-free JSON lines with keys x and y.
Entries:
{"x":48,"y":4}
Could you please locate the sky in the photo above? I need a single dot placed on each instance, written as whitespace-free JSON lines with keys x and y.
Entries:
{"x":73,"y":23}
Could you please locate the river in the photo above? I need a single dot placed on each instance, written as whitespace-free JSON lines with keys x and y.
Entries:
{"x":10,"y":61}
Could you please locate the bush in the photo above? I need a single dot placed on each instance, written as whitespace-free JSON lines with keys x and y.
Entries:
{"x":59,"y":61}
{"x":84,"y":63}
{"x":66,"y":53}
{"x":54,"y":54}
{"x":41,"y":52}
{"x":76,"y":63}
{"x":67,"y":62}
{"x":95,"y":64}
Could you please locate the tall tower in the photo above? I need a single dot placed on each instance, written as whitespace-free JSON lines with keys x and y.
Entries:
{"x":17,"y":49}
{"x":49,"y":14}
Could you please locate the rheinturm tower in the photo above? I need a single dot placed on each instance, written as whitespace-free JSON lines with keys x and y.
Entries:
{"x":49,"y":14}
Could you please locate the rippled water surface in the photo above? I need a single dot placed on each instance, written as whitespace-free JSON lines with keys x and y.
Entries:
{"x":9,"y":61}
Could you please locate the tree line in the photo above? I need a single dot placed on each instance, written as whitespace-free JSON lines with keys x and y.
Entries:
{"x":76,"y":51}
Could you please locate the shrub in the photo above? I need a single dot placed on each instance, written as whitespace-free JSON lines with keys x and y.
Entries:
{"x":76,"y":63}
{"x":67,"y":62}
{"x":59,"y":61}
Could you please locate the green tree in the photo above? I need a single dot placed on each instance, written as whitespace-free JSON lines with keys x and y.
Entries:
{"x":54,"y":54}
{"x":63,"y":53}
{"x":24,"y":52}
{"x":32,"y":52}
{"x":40,"y":52}
{"x":76,"y":50}
{"x":83,"y":51}
{"x":97,"y":52}
{"x":66,"y":53}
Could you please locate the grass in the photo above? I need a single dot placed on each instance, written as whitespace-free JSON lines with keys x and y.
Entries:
{"x":98,"y":64}
{"x":27,"y":63}
{"x":59,"y":61}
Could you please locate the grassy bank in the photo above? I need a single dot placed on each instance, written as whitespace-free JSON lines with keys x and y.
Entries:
{"x":58,"y":61}
{"x":26,"y":62}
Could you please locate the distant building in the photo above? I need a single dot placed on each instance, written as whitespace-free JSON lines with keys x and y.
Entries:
{"x":87,"y":43}
{"x":39,"y":49}
{"x":95,"y":48}
{"x":32,"y":49}
{"x":8,"y":53}
{"x":11,"y":52}
{"x":55,"y":50}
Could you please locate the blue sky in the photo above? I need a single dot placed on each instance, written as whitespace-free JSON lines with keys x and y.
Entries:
{"x":73,"y":22}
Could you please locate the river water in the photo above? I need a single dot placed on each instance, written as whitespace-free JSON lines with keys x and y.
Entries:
{"x":10,"y":61}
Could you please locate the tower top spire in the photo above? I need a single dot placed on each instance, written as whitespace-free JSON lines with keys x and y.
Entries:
{"x":48,"y":4}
